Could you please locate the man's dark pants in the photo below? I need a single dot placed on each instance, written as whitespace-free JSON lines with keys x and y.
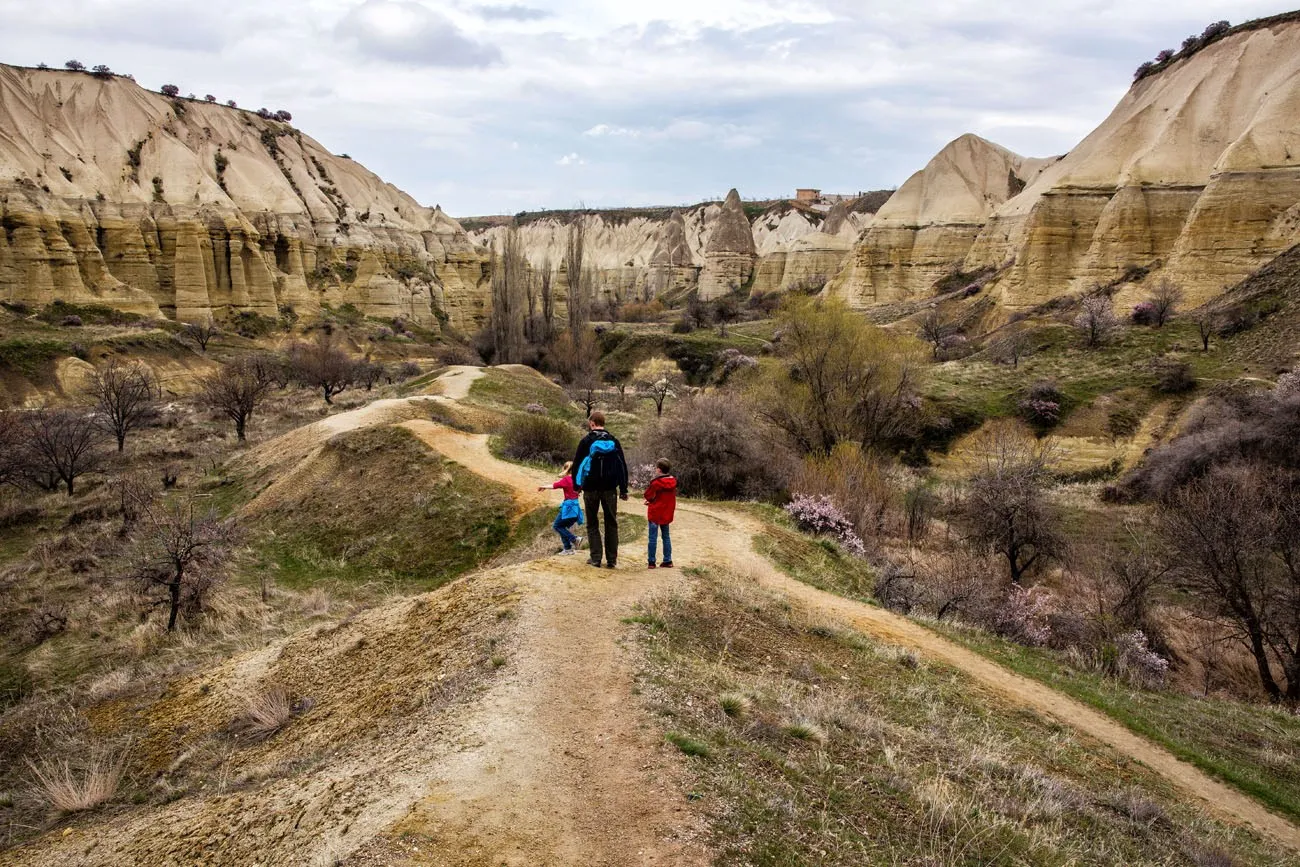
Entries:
{"x":607,"y":500}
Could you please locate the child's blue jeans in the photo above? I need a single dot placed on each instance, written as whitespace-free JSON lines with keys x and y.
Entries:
{"x":655,"y":530}
{"x":562,"y":526}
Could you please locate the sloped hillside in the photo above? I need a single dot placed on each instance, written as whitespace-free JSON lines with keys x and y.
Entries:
{"x":113,"y":194}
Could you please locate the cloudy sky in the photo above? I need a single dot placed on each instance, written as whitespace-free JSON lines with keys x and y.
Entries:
{"x":504,"y":106}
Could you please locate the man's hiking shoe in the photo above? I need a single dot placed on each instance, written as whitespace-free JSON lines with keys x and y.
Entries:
{"x":650,"y":565}
{"x":595,"y":563}
{"x":611,"y":566}
{"x":667,"y":564}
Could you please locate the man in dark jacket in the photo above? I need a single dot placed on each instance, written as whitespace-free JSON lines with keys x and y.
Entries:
{"x":600,"y":470}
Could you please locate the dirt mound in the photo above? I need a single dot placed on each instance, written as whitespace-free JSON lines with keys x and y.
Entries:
{"x":383,"y":503}
{"x":376,"y":698}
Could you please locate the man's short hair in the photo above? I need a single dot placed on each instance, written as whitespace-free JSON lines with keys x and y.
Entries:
{"x":597,"y":418}
{"x":664,"y":466}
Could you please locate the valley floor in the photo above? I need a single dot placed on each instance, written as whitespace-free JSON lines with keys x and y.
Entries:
{"x":547,"y":755}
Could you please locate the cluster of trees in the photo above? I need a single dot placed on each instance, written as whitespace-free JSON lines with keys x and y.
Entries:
{"x":1190,"y":46}
{"x":52,"y":448}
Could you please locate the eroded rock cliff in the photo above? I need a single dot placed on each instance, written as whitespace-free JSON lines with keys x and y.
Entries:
{"x":113,"y":194}
{"x":1194,"y":176}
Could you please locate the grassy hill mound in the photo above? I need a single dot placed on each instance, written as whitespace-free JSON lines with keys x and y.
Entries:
{"x":377,"y":505}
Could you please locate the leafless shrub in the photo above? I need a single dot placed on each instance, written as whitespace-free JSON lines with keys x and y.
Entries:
{"x":321,"y":364}
{"x":69,"y":787}
{"x":1006,"y":510}
{"x":960,"y":584}
{"x":202,"y":333}
{"x":855,"y":480}
{"x":263,"y":713}
{"x":712,"y":445}
{"x":183,"y":553}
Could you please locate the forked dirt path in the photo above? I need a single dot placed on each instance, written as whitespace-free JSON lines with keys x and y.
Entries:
{"x":568,"y":771}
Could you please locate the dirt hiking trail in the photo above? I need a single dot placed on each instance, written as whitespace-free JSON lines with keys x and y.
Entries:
{"x":579,"y":660}
{"x":553,"y":761}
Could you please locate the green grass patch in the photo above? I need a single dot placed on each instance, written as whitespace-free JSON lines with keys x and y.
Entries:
{"x":384,"y":508}
{"x":31,"y":356}
{"x":90,"y":314}
{"x":514,"y":389}
{"x":1255,"y":749}
{"x":819,"y":562}
{"x":689,"y":747}
{"x":842,"y":755}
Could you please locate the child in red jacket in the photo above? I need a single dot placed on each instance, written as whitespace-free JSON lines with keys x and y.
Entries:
{"x":661,"y":503}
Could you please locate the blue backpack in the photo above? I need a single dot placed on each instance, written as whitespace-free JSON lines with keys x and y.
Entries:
{"x":593,"y":465}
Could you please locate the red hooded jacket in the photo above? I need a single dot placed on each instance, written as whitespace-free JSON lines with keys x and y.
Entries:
{"x":661,"y":494}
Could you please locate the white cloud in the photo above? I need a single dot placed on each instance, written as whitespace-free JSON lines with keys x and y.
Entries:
{"x":403,"y":31}
{"x":469,"y":102}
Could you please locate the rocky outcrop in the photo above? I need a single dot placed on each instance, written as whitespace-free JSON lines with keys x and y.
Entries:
{"x":731,"y":254}
{"x":928,"y":227}
{"x":1195,"y":177}
{"x":639,"y":254}
{"x":116,"y":195}
{"x":1195,"y":174}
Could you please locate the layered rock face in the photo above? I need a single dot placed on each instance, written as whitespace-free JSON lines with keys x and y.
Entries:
{"x":112,"y":194}
{"x":929,"y":226}
{"x":1196,"y":173}
{"x":643,"y":254}
{"x":731,"y":254}
{"x":1195,"y":176}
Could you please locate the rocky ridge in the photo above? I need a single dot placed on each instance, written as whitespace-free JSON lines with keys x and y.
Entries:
{"x":642,"y":254}
{"x":113,"y":194}
{"x":1194,"y":176}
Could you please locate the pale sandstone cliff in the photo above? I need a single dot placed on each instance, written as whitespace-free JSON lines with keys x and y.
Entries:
{"x":731,"y":253}
{"x":929,"y":226}
{"x":1196,"y":170}
{"x":642,"y":254}
{"x":113,"y":194}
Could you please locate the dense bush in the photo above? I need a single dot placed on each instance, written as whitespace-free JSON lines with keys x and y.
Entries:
{"x":715,"y":449}
{"x":1174,"y":377}
{"x":642,"y":312}
{"x":529,"y":437}
{"x":856,"y":480}
{"x":1042,"y":404}
{"x":820,"y":516}
{"x":1258,"y":427}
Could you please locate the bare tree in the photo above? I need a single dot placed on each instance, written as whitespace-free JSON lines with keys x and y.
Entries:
{"x":1012,"y":348}
{"x":585,"y":391}
{"x":13,"y":450}
{"x":322,"y":365}
{"x":580,"y":279}
{"x":547,"y":297}
{"x":183,"y":553}
{"x":1164,"y":301}
{"x":202,"y":333}
{"x":935,"y":329}
{"x":658,"y":379}
{"x":62,"y":444}
{"x":235,"y":391}
{"x":270,"y":368}
{"x":367,"y":373}
{"x":1205,"y":326}
{"x":1006,"y":511}
{"x":125,"y":397}
{"x":510,"y":280}
{"x":1096,"y":319}
{"x":1234,"y":543}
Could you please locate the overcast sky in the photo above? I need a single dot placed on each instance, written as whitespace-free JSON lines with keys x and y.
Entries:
{"x":505,"y":106}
